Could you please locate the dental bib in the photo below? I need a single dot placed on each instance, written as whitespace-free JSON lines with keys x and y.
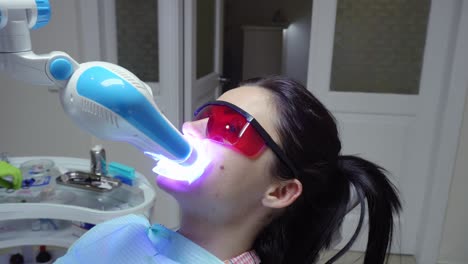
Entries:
{"x":131,"y":239}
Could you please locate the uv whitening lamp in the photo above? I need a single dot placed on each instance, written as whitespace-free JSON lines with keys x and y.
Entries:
{"x":106,"y":100}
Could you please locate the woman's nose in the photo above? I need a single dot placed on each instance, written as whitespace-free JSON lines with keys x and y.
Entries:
{"x":196,"y":129}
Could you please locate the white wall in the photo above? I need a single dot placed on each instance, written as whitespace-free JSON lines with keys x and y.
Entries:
{"x":33,"y":122}
{"x":454,"y":246}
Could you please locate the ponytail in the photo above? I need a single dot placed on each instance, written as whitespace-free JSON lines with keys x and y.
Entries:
{"x":371,"y":183}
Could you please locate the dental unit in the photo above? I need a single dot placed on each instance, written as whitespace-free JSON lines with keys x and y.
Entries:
{"x":102,"y":98}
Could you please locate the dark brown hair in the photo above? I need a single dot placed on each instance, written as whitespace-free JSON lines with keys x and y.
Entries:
{"x":309,"y":137}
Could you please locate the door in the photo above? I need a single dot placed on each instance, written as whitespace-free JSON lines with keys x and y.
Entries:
{"x":203,"y":24}
{"x":381,"y":68}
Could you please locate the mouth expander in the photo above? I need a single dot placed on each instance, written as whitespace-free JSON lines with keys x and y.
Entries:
{"x":175,"y":171}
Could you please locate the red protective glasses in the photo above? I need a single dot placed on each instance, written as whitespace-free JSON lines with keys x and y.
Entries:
{"x":232,"y":126}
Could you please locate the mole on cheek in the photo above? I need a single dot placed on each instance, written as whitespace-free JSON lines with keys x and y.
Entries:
{"x":221,"y":167}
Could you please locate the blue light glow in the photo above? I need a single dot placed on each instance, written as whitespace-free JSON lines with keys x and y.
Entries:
{"x":172,"y":170}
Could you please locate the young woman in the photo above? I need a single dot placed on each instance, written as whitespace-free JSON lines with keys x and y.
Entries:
{"x":277,"y":188}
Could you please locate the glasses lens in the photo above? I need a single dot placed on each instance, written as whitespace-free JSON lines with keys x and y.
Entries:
{"x":229,"y":127}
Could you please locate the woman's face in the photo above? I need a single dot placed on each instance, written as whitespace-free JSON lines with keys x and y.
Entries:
{"x":233,"y":184}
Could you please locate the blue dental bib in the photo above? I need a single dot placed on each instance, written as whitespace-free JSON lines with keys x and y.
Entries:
{"x":131,"y":239}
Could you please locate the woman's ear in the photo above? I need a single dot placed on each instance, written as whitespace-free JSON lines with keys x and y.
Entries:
{"x":281,"y":194}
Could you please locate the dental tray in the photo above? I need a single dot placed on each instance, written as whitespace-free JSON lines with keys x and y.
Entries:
{"x":88,"y":181}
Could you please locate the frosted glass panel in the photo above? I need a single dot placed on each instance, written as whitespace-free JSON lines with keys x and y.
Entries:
{"x":205,"y":37}
{"x":379,"y":46}
{"x":137,"y":37}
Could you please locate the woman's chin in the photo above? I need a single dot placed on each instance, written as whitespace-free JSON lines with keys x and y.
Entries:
{"x":170,"y":185}
{"x":178,"y":185}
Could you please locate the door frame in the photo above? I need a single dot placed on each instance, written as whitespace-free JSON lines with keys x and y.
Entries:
{"x":171,"y":58}
{"x":448,"y":137}
{"x":446,"y":130}
{"x":191,"y":83}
